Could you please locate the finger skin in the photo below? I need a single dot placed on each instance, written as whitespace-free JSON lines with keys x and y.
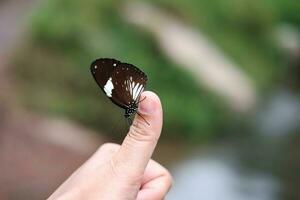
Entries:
{"x":124,"y":172}
{"x":138,"y":146}
{"x":156,"y":182}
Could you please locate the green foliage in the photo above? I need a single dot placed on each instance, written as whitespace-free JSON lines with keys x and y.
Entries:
{"x":67,"y":35}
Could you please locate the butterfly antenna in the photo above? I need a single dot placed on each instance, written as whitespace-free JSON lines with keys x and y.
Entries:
{"x":141,"y":100}
{"x":143,"y":118}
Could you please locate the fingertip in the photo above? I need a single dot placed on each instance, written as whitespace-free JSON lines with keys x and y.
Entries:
{"x":150,"y":113}
{"x":151,"y":103}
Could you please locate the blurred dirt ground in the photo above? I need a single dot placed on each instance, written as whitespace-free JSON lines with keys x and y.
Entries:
{"x":36,"y":152}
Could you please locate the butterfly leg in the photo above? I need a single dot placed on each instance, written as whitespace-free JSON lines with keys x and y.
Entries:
{"x":143,"y":118}
{"x":129,"y":121}
{"x":141,"y":100}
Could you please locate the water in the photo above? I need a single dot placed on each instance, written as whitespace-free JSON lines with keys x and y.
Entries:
{"x":262,"y":165}
{"x":214,"y":177}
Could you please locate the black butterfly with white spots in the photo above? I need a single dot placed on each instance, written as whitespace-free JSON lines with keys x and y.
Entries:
{"x":122,"y":83}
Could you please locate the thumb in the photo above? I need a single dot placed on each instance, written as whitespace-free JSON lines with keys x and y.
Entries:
{"x":139,"y":144}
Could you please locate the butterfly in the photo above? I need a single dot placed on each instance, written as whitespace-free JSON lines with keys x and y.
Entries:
{"x":121,"y":82}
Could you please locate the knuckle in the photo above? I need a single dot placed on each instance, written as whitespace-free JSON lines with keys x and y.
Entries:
{"x":139,"y":132}
{"x":117,"y":170}
{"x":169,"y":179}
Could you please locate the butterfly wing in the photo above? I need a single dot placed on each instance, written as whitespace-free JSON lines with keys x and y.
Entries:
{"x":102,"y":69}
{"x":121,"y":82}
{"x":103,"y":72}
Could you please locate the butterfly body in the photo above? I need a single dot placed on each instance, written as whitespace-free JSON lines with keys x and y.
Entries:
{"x":122,"y":83}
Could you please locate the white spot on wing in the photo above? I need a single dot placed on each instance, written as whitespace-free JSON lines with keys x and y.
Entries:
{"x":134,"y":91}
{"x":140,"y":89}
{"x":108,"y":87}
{"x":115,"y":64}
{"x":134,"y":88}
{"x":128,"y":86}
{"x":137,"y":90}
{"x":95,"y":66}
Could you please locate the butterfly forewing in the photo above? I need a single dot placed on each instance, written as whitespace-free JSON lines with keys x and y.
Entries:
{"x":121,"y":82}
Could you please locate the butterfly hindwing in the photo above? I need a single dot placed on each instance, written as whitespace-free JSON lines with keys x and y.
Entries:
{"x":103,"y":69}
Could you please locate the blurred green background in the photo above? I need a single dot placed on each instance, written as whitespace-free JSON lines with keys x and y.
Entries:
{"x":262,"y":39}
{"x":66,"y":36}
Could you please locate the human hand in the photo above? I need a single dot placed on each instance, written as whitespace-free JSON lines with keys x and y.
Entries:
{"x":123,"y":172}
